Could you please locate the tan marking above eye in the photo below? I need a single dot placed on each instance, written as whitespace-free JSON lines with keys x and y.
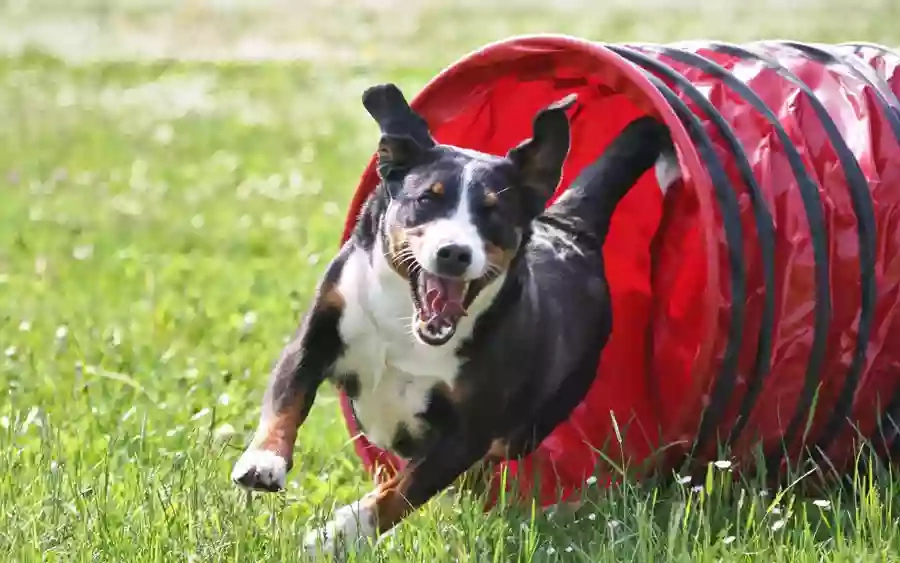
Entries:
{"x":437,"y":188}
{"x":490,"y":199}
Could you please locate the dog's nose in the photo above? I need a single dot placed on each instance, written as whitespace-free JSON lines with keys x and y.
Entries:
{"x":453,"y":259}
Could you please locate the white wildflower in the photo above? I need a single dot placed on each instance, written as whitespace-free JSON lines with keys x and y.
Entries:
{"x":224,"y":432}
{"x":83,"y":252}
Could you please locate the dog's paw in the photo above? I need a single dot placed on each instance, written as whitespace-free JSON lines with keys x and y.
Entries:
{"x":350,"y":528}
{"x":260,"y":470}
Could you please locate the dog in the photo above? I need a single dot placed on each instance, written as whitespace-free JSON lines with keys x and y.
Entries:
{"x":464,"y":318}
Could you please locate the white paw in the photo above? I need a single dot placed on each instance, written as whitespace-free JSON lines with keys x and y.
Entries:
{"x":260,"y":470}
{"x":350,"y":527}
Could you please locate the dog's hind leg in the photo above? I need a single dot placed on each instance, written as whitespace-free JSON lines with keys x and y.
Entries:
{"x":305,"y":362}
{"x":477,"y":479}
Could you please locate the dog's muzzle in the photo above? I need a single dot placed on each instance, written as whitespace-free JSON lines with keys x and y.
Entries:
{"x":440,"y":303}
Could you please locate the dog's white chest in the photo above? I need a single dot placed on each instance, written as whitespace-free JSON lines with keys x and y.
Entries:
{"x":396,"y":374}
{"x":395,"y":382}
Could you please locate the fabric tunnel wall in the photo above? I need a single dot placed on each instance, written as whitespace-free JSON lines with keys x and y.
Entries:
{"x":756,"y":304}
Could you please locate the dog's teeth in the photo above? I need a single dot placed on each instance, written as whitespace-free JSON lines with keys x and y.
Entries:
{"x":465,"y":292}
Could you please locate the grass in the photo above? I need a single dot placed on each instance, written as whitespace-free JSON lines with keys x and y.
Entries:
{"x":162,"y":222}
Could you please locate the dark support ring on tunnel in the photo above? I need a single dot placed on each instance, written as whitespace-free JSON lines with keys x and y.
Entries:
{"x":886,"y":97}
{"x":845,"y":400}
{"x":859,"y":45}
{"x":888,"y":428}
{"x":808,"y":189}
{"x":727,"y":201}
{"x":890,"y":106}
{"x":731,"y":219}
{"x":863,"y":208}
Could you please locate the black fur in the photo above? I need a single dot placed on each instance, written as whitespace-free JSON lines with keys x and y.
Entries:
{"x":534,"y":351}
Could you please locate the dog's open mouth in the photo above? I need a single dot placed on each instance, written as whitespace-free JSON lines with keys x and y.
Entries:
{"x":440,"y":303}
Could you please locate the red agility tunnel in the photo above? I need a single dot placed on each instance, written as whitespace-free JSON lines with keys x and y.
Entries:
{"x":755,"y":304}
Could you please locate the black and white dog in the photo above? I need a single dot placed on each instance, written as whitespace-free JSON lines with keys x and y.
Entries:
{"x":463,"y":319}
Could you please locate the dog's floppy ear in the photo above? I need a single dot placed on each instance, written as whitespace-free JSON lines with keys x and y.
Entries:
{"x":540,"y":159}
{"x":404,"y":133}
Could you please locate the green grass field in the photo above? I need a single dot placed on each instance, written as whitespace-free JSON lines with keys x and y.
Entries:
{"x":173,"y":177}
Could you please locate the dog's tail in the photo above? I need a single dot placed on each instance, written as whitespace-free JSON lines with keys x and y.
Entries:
{"x":594,"y":194}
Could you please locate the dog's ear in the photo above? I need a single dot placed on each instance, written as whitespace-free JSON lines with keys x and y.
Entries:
{"x":396,"y":153}
{"x":404,"y":133}
{"x":540,"y":159}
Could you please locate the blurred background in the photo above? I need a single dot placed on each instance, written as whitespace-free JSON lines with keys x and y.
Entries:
{"x":366,"y":32}
{"x":173,"y":178}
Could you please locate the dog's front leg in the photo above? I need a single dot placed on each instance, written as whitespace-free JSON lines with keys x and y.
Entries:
{"x":390,"y":502}
{"x":305,"y":362}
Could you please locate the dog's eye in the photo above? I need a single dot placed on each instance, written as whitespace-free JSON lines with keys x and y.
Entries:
{"x":434,"y":191}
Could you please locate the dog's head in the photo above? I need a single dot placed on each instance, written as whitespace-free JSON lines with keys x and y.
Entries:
{"x":452,"y":220}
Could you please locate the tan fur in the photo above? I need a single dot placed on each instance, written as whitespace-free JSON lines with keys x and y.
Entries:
{"x":387,"y":504}
{"x":281,"y":431}
{"x":500,"y":257}
{"x":331,"y":298}
{"x":398,"y":243}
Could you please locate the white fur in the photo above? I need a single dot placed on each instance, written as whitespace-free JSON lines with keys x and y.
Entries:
{"x":350,"y":526}
{"x":396,"y":372}
{"x":559,"y":243}
{"x":269,"y":466}
{"x":459,"y":229}
{"x":667,"y":171}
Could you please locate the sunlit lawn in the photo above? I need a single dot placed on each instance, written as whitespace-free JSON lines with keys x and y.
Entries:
{"x":162,"y":223}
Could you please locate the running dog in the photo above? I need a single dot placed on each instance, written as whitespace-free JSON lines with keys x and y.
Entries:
{"x":464,"y":318}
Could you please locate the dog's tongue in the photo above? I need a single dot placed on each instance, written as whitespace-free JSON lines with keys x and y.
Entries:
{"x":444,"y":297}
